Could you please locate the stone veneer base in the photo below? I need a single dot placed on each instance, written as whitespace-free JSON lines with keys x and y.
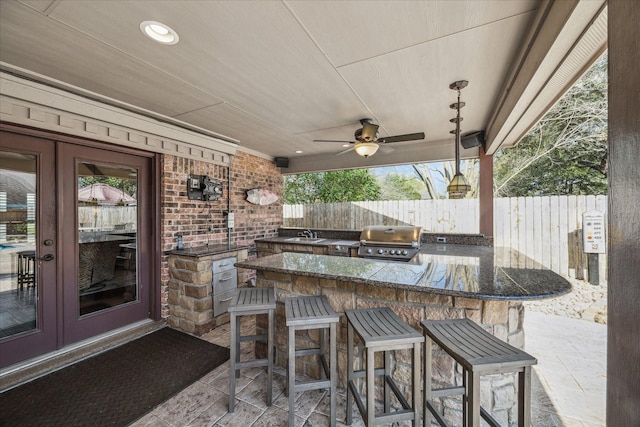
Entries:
{"x":190,"y":291}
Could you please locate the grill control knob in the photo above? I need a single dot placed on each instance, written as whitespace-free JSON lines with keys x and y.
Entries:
{"x":392,"y":252}
{"x":338,"y":248}
{"x":405,"y":252}
{"x":369,"y":250}
{"x":380,"y":251}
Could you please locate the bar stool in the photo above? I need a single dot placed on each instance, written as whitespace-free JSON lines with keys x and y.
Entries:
{"x":26,"y":268}
{"x":304,"y":313}
{"x":479,"y":353}
{"x":245,"y":302}
{"x":380,"y":329}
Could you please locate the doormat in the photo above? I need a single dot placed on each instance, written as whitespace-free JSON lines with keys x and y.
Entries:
{"x":116,"y":387}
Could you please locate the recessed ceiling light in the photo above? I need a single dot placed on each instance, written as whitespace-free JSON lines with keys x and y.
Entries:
{"x":346,"y":145}
{"x":298,"y":151}
{"x":159,"y":32}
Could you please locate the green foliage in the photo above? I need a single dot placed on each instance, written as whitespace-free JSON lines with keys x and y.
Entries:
{"x":129,"y":186}
{"x":400,"y":187}
{"x":354,"y":185}
{"x":566,"y":152}
{"x":330,"y":187}
{"x":302,"y":189}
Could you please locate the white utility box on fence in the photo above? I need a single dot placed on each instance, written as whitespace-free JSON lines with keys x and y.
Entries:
{"x":593,"y":232}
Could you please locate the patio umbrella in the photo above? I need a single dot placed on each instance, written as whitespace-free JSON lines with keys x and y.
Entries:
{"x":104,"y":194}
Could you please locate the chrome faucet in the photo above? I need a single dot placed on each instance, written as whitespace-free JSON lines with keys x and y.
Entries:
{"x":310,"y":234}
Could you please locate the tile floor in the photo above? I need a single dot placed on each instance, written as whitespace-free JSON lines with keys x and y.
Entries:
{"x":567,"y":386}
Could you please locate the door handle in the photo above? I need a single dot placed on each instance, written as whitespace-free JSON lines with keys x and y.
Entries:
{"x":46,"y":257}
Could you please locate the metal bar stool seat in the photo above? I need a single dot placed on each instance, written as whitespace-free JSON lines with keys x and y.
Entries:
{"x":26,"y":268}
{"x":245,"y":302}
{"x":304,"y":313}
{"x":479,"y":353}
{"x":380,"y":329}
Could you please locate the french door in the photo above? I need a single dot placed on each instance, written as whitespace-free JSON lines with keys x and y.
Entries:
{"x":75,"y":230}
{"x":28,"y":248}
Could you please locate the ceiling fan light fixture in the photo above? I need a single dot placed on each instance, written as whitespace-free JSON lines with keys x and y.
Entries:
{"x":366,"y":149}
{"x":159,"y":32}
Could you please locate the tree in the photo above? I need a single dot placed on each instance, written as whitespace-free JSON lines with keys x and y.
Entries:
{"x":400,"y":187}
{"x":330,"y":187}
{"x":446,"y":171}
{"x":566,"y":152}
{"x":302,"y":189}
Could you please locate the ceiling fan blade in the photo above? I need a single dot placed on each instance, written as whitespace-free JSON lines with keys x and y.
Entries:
{"x":332,"y":140}
{"x":345,"y":151}
{"x":400,"y":138}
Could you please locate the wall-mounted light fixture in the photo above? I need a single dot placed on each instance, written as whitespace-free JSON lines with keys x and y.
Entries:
{"x":459,"y":186}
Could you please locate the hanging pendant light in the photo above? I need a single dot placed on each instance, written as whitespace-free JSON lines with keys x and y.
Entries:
{"x":459,"y":186}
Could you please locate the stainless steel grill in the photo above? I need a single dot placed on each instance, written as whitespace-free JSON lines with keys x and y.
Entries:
{"x":399,"y":243}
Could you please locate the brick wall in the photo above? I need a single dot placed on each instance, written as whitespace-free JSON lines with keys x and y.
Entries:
{"x":201,"y":222}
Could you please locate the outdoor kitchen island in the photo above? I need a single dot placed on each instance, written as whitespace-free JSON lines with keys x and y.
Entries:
{"x":486,"y":284}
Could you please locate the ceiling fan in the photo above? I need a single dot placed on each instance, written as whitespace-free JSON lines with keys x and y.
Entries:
{"x":367,"y":141}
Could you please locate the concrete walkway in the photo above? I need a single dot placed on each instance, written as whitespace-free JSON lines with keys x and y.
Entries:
{"x":569,"y":383}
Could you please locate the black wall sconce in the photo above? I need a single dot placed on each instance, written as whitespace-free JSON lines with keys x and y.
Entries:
{"x":201,"y":187}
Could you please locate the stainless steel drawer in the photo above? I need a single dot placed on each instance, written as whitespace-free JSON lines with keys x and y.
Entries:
{"x":223,"y":264}
{"x":221,"y":302}
{"x":225,"y":281}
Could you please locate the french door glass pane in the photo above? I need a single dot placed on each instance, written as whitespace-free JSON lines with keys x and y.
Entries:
{"x":107,"y":225}
{"x":18,"y":278}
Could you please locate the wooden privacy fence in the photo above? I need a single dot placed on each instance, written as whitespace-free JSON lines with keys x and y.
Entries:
{"x":438,"y":216}
{"x":106,"y":217}
{"x":547,"y":229}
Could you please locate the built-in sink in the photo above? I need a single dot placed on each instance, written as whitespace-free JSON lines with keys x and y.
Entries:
{"x":304,"y":239}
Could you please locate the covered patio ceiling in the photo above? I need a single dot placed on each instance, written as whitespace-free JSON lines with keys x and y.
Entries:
{"x":273,"y":76}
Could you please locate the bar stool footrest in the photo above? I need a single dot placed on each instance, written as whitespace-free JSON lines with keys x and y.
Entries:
{"x":312,"y":385}
{"x":396,"y":416}
{"x":259,"y":337}
{"x":361,"y":373}
{"x":255,"y":363}
{"x":309,"y":352}
{"x":447,"y":391}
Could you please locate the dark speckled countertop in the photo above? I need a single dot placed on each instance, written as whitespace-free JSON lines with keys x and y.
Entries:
{"x":458,"y":270}
{"x":202,"y":251}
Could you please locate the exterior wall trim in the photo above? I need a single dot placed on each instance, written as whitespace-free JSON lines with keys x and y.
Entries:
{"x":36,"y":105}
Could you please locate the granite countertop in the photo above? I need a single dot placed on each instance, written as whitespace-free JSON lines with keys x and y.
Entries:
{"x":102,"y":238}
{"x":202,"y":251}
{"x":456,"y":270}
{"x":309,"y":241}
